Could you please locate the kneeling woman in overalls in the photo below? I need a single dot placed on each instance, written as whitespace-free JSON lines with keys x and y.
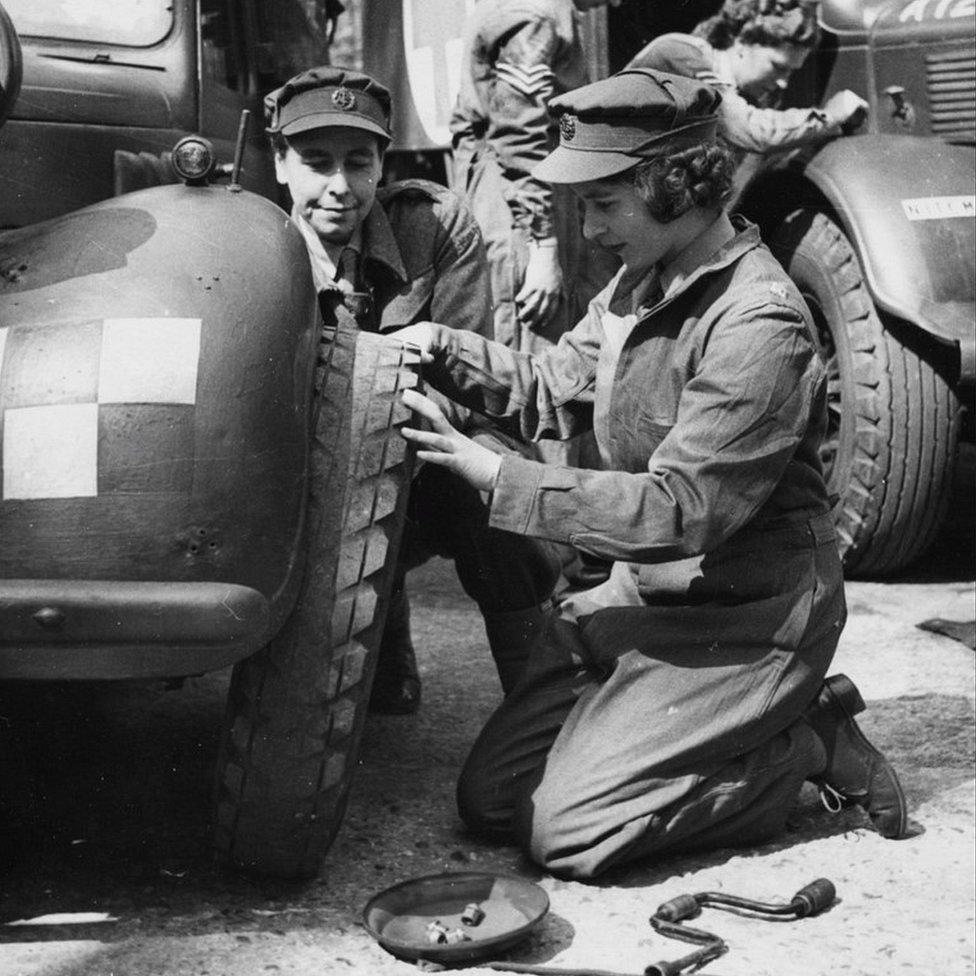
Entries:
{"x":682,"y":703}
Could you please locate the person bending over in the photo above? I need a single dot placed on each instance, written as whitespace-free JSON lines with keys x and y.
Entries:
{"x":748,"y":51}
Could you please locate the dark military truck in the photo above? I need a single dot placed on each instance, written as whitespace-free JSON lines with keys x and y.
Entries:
{"x":878,"y":231}
{"x":109,"y":87}
{"x":194,"y":473}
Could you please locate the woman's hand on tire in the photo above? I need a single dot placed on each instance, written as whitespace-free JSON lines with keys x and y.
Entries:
{"x":444,"y":445}
{"x":420,"y":334}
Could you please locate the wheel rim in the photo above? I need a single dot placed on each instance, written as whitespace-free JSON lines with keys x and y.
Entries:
{"x":827,"y":351}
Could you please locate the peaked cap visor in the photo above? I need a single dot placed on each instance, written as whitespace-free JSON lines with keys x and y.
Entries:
{"x":313,"y":109}
{"x":597,"y":151}
{"x":611,"y":125}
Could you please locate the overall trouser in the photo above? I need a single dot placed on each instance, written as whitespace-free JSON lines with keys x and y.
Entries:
{"x":640,"y":730}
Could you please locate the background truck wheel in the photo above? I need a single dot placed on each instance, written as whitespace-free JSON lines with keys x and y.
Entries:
{"x":296,"y":709}
{"x":11,"y":65}
{"x":893,"y":419}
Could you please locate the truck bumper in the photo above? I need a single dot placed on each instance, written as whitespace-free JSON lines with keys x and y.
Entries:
{"x":102,"y":629}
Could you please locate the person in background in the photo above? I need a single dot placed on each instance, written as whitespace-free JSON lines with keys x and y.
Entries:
{"x":518,"y":55}
{"x":382,"y":257}
{"x":748,"y":50}
{"x":682,"y":703}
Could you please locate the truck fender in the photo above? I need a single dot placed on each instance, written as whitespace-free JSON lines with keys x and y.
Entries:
{"x":913,"y":227}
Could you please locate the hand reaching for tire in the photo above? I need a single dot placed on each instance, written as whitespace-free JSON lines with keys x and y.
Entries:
{"x":444,"y":445}
{"x":420,"y":334}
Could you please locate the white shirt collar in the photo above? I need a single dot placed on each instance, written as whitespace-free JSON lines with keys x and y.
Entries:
{"x":324,"y":265}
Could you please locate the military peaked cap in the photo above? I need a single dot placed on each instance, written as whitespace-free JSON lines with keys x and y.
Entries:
{"x":328,"y":96}
{"x":609,"y":126}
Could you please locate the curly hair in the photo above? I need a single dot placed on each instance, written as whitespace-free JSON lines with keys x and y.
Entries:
{"x":771,"y":23}
{"x":676,"y":179}
{"x":279,"y":144}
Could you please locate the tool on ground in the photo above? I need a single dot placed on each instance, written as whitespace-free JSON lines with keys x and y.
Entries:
{"x":809,"y":900}
{"x":414,"y":919}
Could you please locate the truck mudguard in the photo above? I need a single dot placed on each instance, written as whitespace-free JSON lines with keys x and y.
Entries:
{"x":914,"y":228}
{"x":155,"y":373}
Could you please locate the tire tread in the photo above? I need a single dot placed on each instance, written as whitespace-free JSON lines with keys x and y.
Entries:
{"x":895,"y":456}
{"x":296,"y":709}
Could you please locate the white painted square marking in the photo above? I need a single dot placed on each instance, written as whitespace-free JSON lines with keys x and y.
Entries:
{"x":51,"y":452}
{"x":149,"y":361}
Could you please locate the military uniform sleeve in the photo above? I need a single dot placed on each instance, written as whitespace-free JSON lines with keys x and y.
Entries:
{"x":549,"y":395}
{"x":520,"y":129}
{"x":462,"y":293}
{"x":764,"y":130}
{"x":739,"y":421}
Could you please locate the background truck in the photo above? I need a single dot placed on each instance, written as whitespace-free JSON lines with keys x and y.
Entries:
{"x":109,"y":87}
{"x":877,"y":229}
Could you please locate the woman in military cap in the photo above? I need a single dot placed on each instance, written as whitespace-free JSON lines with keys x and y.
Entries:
{"x":683,"y":702}
{"x":748,"y":50}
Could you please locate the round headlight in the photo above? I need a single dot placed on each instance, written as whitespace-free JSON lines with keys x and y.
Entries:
{"x":194,"y":159}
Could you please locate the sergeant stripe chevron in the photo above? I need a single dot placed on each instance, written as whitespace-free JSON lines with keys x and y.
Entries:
{"x":535,"y":82}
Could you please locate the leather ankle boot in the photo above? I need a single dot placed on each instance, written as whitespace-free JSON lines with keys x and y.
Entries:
{"x":856,"y":772}
{"x":396,"y":686}
{"x":511,"y":635}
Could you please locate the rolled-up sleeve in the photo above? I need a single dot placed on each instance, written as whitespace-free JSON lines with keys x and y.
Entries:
{"x":740,"y":418}
{"x":746,"y":126}
{"x":764,"y":130}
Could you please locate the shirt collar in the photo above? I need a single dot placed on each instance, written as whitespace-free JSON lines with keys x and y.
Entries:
{"x":709,"y":242}
{"x":720,"y":244}
{"x":379,"y":243}
{"x":373,"y":239}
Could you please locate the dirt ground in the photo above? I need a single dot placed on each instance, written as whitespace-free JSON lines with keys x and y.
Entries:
{"x":104,"y":811}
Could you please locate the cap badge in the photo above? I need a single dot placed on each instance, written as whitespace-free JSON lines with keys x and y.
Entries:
{"x":344,"y":99}
{"x":567,"y":127}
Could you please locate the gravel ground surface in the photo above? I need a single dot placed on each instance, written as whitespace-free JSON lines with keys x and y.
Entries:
{"x":119,"y":824}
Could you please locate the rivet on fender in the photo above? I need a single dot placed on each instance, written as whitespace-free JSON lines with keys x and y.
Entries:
{"x":50,"y":618}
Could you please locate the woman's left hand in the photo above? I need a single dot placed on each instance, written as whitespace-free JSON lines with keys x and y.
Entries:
{"x":444,"y":445}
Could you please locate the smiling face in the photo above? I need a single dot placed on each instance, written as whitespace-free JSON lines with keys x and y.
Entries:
{"x":760,"y":70}
{"x":332,"y":175}
{"x":615,"y":217}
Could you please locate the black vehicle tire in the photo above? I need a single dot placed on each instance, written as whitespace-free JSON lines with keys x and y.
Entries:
{"x":11,"y":65}
{"x":893,"y":418}
{"x":296,"y":709}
